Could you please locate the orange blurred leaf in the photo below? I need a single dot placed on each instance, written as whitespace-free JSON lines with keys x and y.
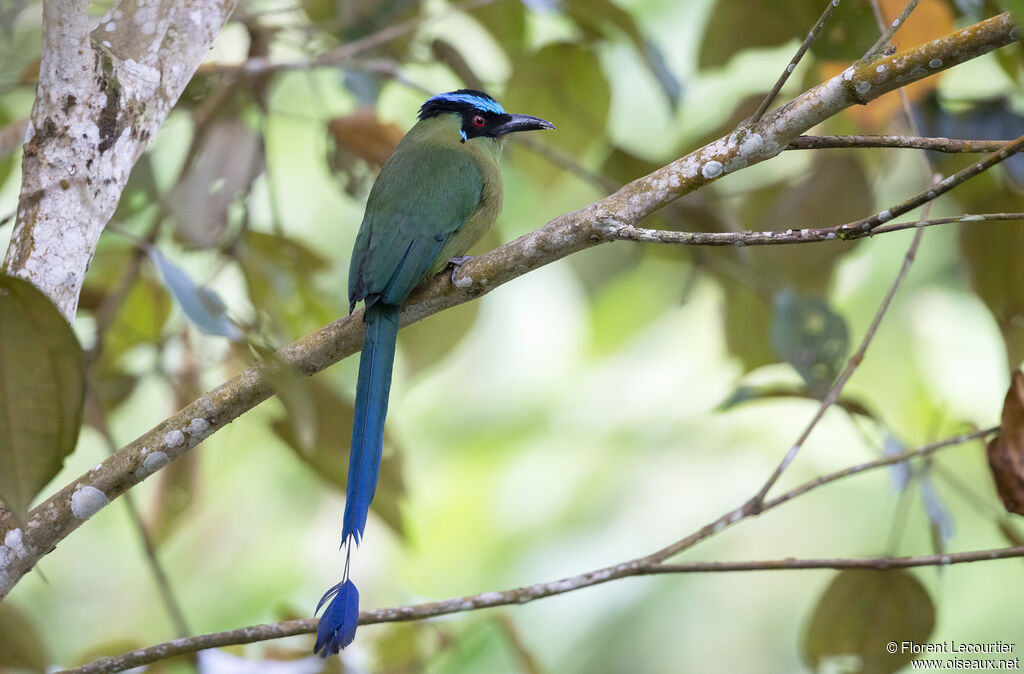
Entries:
{"x":929,"y":21}
{"x":1006,"y":450}
{"x":365,"y":136}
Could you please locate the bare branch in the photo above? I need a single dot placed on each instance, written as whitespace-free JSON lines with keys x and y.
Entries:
{"x":596,"y":223}
{"x":898,"y":226}
{"x":936,"y":144}
{"x":899,"y":457}
{"x":830,"y":6}
{"x":877,"y":563}
{"x":756,"y":142}
{"x":338,"y":56}
{"x":787,"y":237}
{"x":891,"y":29}
{"x":163,"y":584}
{"x":872,"y":222}
{"x":851,"y":366}
{"x":650,"y":565}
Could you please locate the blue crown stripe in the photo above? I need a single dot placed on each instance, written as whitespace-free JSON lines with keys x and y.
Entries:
{"x":485,"y":104}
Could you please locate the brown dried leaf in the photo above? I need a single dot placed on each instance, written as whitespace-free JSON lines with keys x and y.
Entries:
{"x":230,"y":158}
{"x":1006,"y":450}
{"x":365,"y":136}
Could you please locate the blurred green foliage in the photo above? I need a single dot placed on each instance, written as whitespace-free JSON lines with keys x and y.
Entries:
{"x":42,"y":384}
{"x":860,"y":612}
{"x":580,"y":416}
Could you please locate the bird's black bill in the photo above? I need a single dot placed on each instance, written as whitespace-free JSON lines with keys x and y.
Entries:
{"x":522,"y":123}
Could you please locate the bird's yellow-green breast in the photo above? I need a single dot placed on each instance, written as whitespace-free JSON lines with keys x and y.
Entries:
{"x":440,"y":135}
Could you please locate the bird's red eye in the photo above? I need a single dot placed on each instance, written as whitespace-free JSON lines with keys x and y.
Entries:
{"x":479,"y":121}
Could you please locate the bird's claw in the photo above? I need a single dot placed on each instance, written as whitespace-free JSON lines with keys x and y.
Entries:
{"x":457,"y":263}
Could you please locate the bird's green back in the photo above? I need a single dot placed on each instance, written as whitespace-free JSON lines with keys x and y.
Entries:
{"x":434,"y":199}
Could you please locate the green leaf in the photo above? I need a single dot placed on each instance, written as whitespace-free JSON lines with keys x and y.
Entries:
{"x":810,"y":336}
{"x":140,"y":192}
{"x":991,"y":252}
{"x":1010,"y":57}
{"x":295,"y":393}
{"x":113,"y":256}
{"x":7,"y":162}
{"x":1016,"y":9}
{"x":328,"y":455}
{"x":849,"y":33}
{"x":1009,"y":531}
{"x":140,"y":318}
{"x":564,"y":84}
{"x":729,"y":28}
{"x":426,"y":342}
{"x":21,"y":646}
{"x":603,"y":17}
{"x":42,"y":387}
{"x":109,"y":386}
{"x":808,"y":267}
{"x":401,"y":647}
{"x":747,"y":322}
{"x":279,"y":272}
{"x":860,"y":613}
{"x":506,"y":22}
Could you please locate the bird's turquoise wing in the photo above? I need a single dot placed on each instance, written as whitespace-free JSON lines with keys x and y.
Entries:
{"x":423,"y":195}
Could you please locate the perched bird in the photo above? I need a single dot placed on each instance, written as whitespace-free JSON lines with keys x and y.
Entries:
{"x":434,"y":198}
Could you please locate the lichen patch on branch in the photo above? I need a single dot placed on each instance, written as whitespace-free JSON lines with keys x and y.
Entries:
{"x":86,"y":501}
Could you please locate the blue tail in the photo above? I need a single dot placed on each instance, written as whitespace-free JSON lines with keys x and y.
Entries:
{"x":337,"y":626}
{"x":371,"y":406}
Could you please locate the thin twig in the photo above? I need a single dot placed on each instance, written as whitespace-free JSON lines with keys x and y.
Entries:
{"x":524,"y":595}
{"x":899,"y":457}
{"x":787,"y":237}
{"x":746,"y":510}
{"x":857,"y":358}
{"x":869,"y":223}
{"x":830,"y":7}
{"x":112,"y":301}
{"x":889,"y":30}
{"x":641,"y":566}
{"x":935,"y":144}
{"x":336,"y":56}
{"x":570,"y":163}
{"x":876,"y":563}
{"x":163,"y":584}
{"x":851,"y":366}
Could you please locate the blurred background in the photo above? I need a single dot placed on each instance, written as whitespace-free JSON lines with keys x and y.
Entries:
{"x":585,"y":414}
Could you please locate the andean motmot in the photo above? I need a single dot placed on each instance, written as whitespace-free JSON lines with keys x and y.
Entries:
{"x":434,"y":198}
